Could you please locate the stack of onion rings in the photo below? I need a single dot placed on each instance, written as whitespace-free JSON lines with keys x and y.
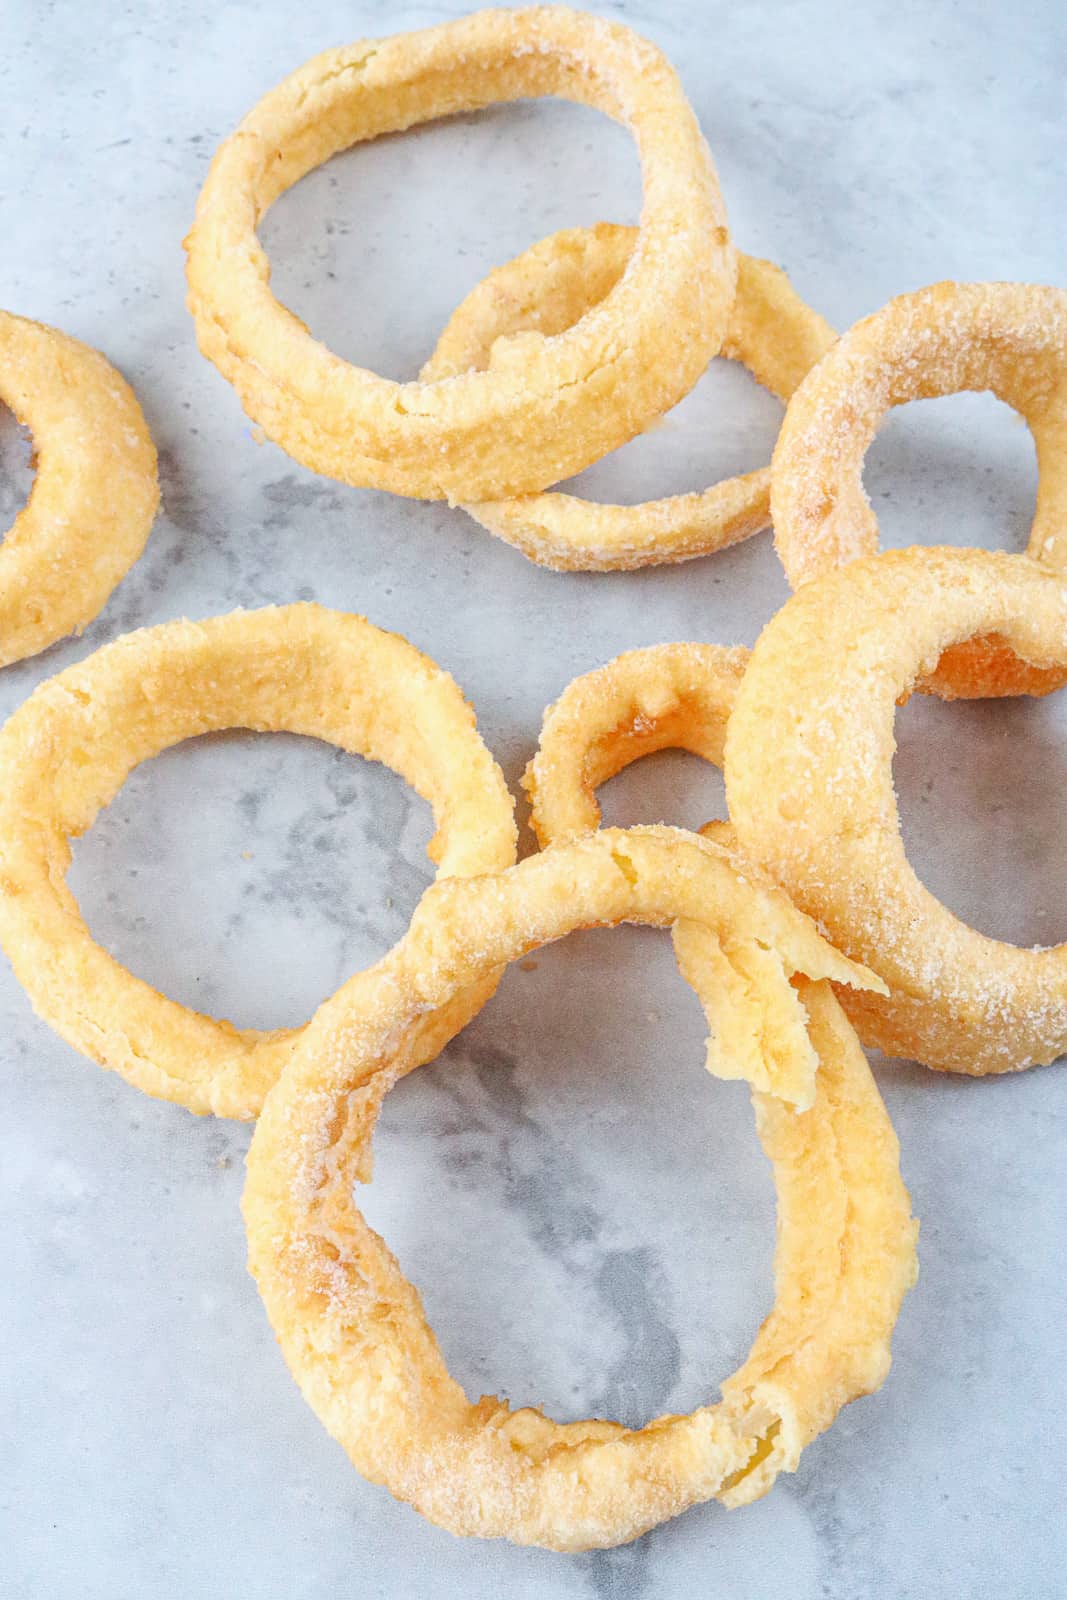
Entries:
{"x":353,"y":1329}
{"x":543,"y":412}
{"x":95,"y":495}
{"x":544,"y":292}
{"x":66,"y":752}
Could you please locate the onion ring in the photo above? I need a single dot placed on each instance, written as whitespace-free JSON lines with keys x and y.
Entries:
{"x":665,"y":697}
{"x":559,"y":404}
{"x":809,"y":751}
{"x":543,"y":293}
{"x":1010,"y":338}
{"x":69,"y":748}
{"x":353,"y":1330}
{"x":95,"y":495}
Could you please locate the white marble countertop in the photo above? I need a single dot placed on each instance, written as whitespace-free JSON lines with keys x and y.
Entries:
{"x":586,"y":1212}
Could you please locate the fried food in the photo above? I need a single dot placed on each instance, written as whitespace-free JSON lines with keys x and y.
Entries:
{"x":95,"y":495}
{"x":352,"y":1327}
{"x":1010,"y":338}
{"x":546,"y":407}
{"x":69,"y":748}
{"x":664,"y":697}
{"x":809,"y":782}
{"x":544,"y":292}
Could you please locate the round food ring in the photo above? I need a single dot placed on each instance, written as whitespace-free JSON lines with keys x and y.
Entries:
{"x":809,"y":781}
{"x":95,"y":494}
{"x":663,"y":697}
{"x":352,"y":1327}
{"x":537,"y":415}
{"x":542,"y":293}
{"x":68,"y":749}
{"x":1010,"y":338}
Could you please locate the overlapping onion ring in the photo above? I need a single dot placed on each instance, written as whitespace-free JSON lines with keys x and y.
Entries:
{"x":809,"y":781}
{"x":1010,"y":338}
{"x":544,"y":292}
{"x":68,"y":749}
{"x":664,"y":697}
{"x":353,"y":1328}
{"x":541,"y":412}
{"x":95,"y":494}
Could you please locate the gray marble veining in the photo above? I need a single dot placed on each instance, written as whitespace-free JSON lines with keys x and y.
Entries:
{"x":587,"y":1214}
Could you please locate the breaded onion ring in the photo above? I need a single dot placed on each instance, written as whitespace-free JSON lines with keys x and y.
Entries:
{"x":95,"y":495}
{"x":1010,"y":338}
{"x":543,"y":293}
{"x":809,"y":751}
{"x":664,"y":697}
{"x":69,"y":748}
{"x":352,"y":1327}
{"x":545,"y":409}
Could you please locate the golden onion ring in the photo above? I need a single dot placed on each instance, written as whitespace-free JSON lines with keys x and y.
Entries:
{"x":542,"y":411}
{"x":664,"y":697}
{"x":1010,"y":338}
{"x":809,"y":781}
{"x":353,"y":1329}
{"x":96,"y":491}
{"x":68,"y":749}
{"x":543,"y":292}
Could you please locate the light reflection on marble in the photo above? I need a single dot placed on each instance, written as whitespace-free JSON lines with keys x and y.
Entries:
{"x":588,"y":1215}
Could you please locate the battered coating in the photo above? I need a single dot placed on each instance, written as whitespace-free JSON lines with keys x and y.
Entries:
{"x":353,"y":1330}
{"x":1010,"y":338}
{"x":809,"y":781}
{"x":94,"y":497}
{"x":545,"y":409}
{"x":69,"y":748}
{"x":669,"y":697}
{"x":543,"y":293}
{"x":664,"y":697}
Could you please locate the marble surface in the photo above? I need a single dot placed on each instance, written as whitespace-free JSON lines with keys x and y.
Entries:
{"x":587,"y":1213}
